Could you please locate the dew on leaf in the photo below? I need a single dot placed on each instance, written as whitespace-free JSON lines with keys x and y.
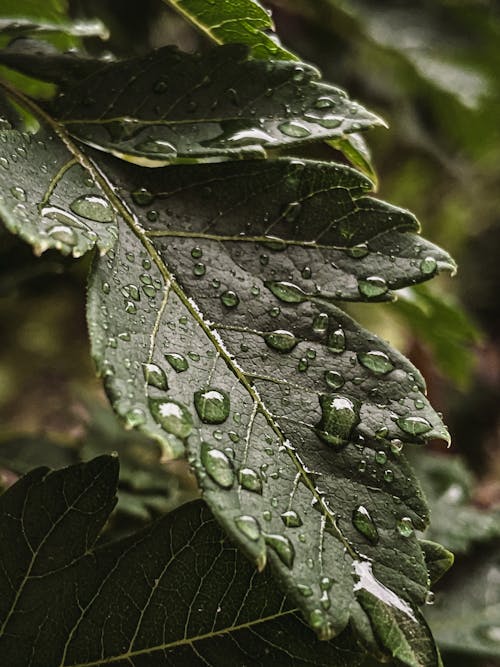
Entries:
{"x":303,"y":364}
{"x":172,"y":416}
{"x":250,"y":480}
{"x":286,"y":291}
{"x":334,"y":379}
{"x":414,"y":425}
{"x":336,"y":342}
{"x":217,"y":465}
{"x":372,"y":287}
{"x":230,"y":299}
{"x":142,"y":197}
{"x":339,"y":417}
{"x":380,"y":457}
{"x":18,"y":193}
{"x":155,"y":376}
{"x":281,"y":340}
{"x":196,"y":252}
{"x":294,"y":129}
{"x":199,"y":269}
{"x":282,"y":546}
{"x":63,"y":234}
{"x":305,"y":590}
{"x":363,"y":522}
{"x":320,"y":323}
{"x":212,"y":405}
{"x":158,"y":147}
{"x":376,"y":361}
{"x":428,"y":266}
{"x":292,"y":211}
{"x":358,"y":251}
{"x":93,"y":207}
{"x":291,"y":519}
{"x":405,"y":526}
{"x":135,"y":417}
{"x":249,"y":526}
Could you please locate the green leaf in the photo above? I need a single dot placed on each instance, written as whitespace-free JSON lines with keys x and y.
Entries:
{"x":456,"y":522}
{"x":222,"y":105}
{"x":466,"y":615}
{"x":213,"y":324}
{"x":66,"y":602}
{"x":438,"y":560}
{"x":356,"y":150}
{"x":238,"y":21}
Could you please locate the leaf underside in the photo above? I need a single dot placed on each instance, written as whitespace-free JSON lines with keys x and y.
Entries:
{"x":64,"y":602}
{"x":212,"y":316}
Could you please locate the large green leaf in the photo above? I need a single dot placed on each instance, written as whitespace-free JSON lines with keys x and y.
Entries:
{"x":170,"y":105}
{"x":213,"y":324}
{"x":175,"y":593}
{"x":235,"y":21}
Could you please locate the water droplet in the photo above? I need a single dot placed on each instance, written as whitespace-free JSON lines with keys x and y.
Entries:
{"x":317,"y":619}
{"x":396,"y":446}
{"x":414,"y":425}
{"x":196,"y":252}
{"x":336,"y":342}
{"x":264,"y":260}
{"x":63,"y":234}
{"x":18,"y":193}
{"x":249,"y":526}
{"x":194,"y":356}
{"x":339,"y":417}
{"x":334,"y":379}
{"x":267,"y":515}
{"x":199,"y":269}
{"x":291,"y":519}
{"x":305,"y":590}
{"x":294,"y":129}
{"x":430,"y":598}
{"x":217,"y":465}
{"x":212,"y":405}
{"x":130,"y":308}
{"x":158,"y":147}
{"x":106,"y":287}
{"x":324,"y":103}
{"x":281,"y":340}
{"x":283,"y":548}
{"x":362,"y":466}
{"x":155,"y":376}
{"x":358,"y":251}
{"x":135,"y":417}
{"x":250,"y":480}
{"x":93,"y":207}
{"x":364,"y":523}
{"x":285,"y":291}
{"x":320,"y":323}
{"x":303,"y":364}
{"x":376,"y":361}
{"x":274,"y":312}
{"x":372,"y":287}
{"x":172,"y":416}
{"x":230,"y":299}
{"x":380,"y":457}
{"x":292,"y":211}
{"x":428,"y":266}
{"x":388,"y":476}
{"x":178,"y":362}
{"x":306,"y":272}
{"x":405,"y":526}
{"x":142,"y":197}
{"x":419,"y":403}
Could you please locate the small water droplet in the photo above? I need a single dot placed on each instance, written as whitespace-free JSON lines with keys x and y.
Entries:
{"x":380,"y":457}
{"x":283,"y":548}
{"x":292,"y":211}
{"x":18,"y":193}
{"x":405,"y":526}
{"x":305,"y":590}
{"x":291,"y":519}
{"x":358,"y":251}
{"x":430,"y":598}
{"x":135,"y":417}
{"x":158,"y":147}
{"x":199,"y":269}
{"x":196,"y":252}
{"x":212,"y":405}
{"x":294,"y":129}
{"x":217,"y":465}
{"x":250,"y":480}
{"x":63,"y":234}
{"x":285,"y":291}
{"x":364,"y":523}
{"x":274,"y":312}
{"x":172,"y":416}
{"x":303,"y":364}
{"x":230,"y":299}
{"x":334,"y":379}
{"x":281,"y":340}
{"x":142,"y":197}
{"x":106,"y":287}
{"x":362,"y":466}
{"x":339,"y":417}
{"x":93,"y":207}
{"x":396,"y":446}
{"x":178,"y":362}
{"x":388,"y":476}
{"x":249,"y":526}
{"x":414,"y":425}
{"x":376,"y":361}
{"x":428,"y":266}
{"x":320,"y":323}
{"x":306,"y":272}
{"x":155,"y":376}
{"x":336,"y":342}
{"x":324,"y":103}
{"x":372,"y":287}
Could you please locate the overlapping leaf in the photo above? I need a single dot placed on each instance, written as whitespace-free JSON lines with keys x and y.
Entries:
{"x":170,"y":106}
{"x":212,"y":321}
{"x":64,"y":602}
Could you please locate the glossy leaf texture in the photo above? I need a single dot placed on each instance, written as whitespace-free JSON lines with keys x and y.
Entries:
{"x":67,"y":603}
{"x":171,"y":106}
{"x":235,"y":21}
{"x":213,"y":323}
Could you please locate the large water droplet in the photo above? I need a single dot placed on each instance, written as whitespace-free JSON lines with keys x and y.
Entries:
{"x":63,"y":234}
{"x":336,"y":342}
{"x":414,"y":425}
{"x":230,"y":299}
{"x":178,"y":362}
{"x":339,"y":417}
{"x":376,"y":361}
{"x":320,"y":323}
{"x":283,"y":548}
{"x":428,"y":266}
{"x":281,"y":340}
{"x":217,"y":465}
{"x":249,"y":526}
{"x":172,"y":416}
{"x":285,"y":291}
{"x":405,"y":526}
{"x":93,"y":207}
{"x":364,"y":523}
{"x":372,"y":287}
{"x":212,"y":405}
{"x":294,"y":129}
{"x":155,"y":376}
{"x":250,"y":480}
{"x":291,"y":519}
